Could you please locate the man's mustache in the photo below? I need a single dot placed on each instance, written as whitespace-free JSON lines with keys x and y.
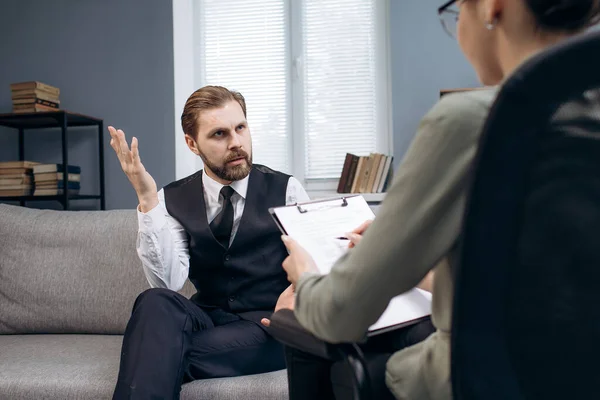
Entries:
{"x":235,"y":155}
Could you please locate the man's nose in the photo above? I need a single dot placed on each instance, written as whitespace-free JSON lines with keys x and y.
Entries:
{"x":235,"y":141}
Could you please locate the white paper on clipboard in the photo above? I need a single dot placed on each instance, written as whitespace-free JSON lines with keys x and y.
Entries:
{"x":316,"y":225}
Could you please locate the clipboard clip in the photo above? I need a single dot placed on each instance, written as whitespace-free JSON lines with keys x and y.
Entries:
{"x":302,"y":210}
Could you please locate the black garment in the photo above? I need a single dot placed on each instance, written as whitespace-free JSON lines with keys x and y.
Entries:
{"x":245,"y":279}
{"x":315,"y":378}
{"x":170,"y":340}
{"x":222,"y":225}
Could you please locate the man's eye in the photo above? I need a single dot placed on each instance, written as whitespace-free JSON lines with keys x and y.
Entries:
{"x":240,"y":127}
{"x":218,"y":133}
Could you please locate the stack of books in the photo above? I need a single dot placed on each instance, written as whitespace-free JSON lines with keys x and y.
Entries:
{"x":16,"y":178}
{"x":34,"y":96}
{"x":48,"y":179}
{"x":366,"y":174}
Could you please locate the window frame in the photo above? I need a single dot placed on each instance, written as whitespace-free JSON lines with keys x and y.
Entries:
{"x":188,"y":36}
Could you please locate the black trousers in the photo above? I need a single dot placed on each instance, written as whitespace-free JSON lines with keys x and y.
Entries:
{"x":314,"y":378}
{"x":170,"y":340}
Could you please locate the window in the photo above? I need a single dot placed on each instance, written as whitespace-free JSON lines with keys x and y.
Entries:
{"x":314,"y":74}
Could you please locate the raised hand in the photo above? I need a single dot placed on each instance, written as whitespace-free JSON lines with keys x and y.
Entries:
{"x":142,"y":182}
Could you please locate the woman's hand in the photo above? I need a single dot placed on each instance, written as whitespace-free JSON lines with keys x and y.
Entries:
{"x":356,"y":235}
{"x":298,"y":261}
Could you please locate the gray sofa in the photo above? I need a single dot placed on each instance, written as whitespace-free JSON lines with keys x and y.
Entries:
{"x":68,"y":280}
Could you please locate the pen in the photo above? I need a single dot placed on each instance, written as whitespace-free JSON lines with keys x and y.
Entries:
{"x":342,"y":238}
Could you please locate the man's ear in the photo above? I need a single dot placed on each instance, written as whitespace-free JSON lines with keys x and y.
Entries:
{"x":191,"y":142}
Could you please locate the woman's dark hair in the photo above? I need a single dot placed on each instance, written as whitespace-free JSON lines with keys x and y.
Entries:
{"x":565,"y":15}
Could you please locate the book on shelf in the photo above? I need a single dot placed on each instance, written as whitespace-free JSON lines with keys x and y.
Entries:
{"x":18,"y":186}
{"x":33,"y":108}
{"x":35,"y":85}
{"x":365,"y":174}
{"x":30,"y":101}
{"x":43,"y":168}
{"x":54,"y":192}
{"x":56,"y":176}
{"x":12,"y":180}
{"x":57,"y":185}
{"x":18,"y":164}
{"x":15,"y":192}
{"x":18,"y":95}
{"x":33,"y":96}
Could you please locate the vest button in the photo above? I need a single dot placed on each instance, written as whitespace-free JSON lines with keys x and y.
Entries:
{"x":227,"y":257}
{"x":231,"y":298}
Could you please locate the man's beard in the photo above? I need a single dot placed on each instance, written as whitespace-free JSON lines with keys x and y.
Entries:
{"x":229,"y":172}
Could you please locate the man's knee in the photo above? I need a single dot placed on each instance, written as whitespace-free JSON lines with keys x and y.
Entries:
{"x":153,"y":299}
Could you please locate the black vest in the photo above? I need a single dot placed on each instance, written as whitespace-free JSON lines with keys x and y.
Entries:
{"x":247,"y":276}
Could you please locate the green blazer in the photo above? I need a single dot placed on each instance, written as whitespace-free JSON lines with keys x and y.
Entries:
{"x":416,"y":230}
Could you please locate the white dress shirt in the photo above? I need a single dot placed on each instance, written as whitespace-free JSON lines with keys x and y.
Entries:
{"x":162,"y":243}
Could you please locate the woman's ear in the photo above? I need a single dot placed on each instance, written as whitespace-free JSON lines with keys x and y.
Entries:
{"x":492,"y":10}
{"x":191,"y":142}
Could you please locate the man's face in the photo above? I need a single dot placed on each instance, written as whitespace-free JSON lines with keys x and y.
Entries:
{"x":224,"y":143}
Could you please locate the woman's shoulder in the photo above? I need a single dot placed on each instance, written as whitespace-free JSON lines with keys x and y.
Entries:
{"x":466,"y":103}
{"x":461,"y":111}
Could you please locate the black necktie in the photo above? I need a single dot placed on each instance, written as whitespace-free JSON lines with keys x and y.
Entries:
{"x":223,"y":222}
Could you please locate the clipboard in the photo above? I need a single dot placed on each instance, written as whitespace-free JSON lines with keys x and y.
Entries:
{"x":301,"y":207}
{"x":315,"y":224}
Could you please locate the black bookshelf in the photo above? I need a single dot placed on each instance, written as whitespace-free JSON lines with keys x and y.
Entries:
{"x":57,"y":119}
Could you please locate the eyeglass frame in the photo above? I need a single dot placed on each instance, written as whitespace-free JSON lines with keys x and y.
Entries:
{"x":444,"y":9}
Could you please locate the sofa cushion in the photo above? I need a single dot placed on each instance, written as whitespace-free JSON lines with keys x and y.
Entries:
{"x":86,"y":367}
{"x":269,"y":386}
{"x":67,"y":271}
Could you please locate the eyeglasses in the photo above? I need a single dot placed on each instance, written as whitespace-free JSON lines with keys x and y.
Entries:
{"x":448,"y":14}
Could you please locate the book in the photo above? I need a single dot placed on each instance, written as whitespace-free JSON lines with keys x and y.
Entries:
{"x":378,"y":177}
{"x":29,"y":101}
{"x":366,"y":173}
{"x":53,"y":192}
{"x":15,"y":187}
{"x":14,"y":171}
{"x":18,"y":164}
{"x":15,"y":192}
{"x":22,"y":176}
{"x":373,"y":174}
{"x":57,"y":185}
{"x":33,"y":108}
{"x":358,"y":174}
{"x":389,"y":177}
{"x":42,"y":168}
{"x":56,"y":176}
{"x":351,"y":174}
{"x":385,"y":174}
{"x":40,"y":94}
{"x":35,"y":85}
{"x":14,"y":181}
{"x":345,"y":173}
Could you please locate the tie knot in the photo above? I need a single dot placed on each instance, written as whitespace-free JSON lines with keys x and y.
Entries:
{"x":227,"y":192}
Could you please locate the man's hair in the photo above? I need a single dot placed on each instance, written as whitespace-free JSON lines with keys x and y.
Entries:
{"x":207,"y":98}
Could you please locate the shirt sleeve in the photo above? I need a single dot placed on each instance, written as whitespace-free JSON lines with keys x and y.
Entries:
{"x":162,"y":246}
{"x":418,"y":223}
{"x":295,"y":193}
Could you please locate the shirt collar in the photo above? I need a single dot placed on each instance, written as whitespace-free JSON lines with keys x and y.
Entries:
{"x":212,"y":188}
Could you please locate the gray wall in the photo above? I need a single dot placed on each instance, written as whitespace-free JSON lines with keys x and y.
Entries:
{"x":424,"y":60}
{"x":111,"y":59}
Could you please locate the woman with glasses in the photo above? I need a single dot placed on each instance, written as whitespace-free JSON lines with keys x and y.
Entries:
{"x":418,"y":224}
